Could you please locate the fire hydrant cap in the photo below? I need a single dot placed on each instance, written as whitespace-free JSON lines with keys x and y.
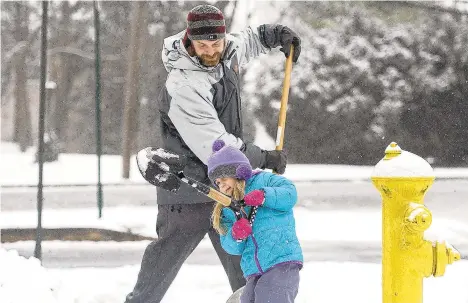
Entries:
{"x":401,"y":163}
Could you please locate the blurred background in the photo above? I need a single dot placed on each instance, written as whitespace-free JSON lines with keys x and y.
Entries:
{"x":369,"y":73}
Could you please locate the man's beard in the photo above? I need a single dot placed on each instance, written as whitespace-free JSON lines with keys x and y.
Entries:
{"x":210,"y":61}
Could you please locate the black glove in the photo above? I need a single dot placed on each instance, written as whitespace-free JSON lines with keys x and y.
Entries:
{"x":273,"y":35}
{"x":288,"y":37}
{"x":276,"y":160}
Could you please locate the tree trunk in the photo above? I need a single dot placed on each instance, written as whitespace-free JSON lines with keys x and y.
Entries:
{"x":131,"y":91}
{"x":63,"y":76}
{"x":22,"y":122}
{"x":222,"y":5}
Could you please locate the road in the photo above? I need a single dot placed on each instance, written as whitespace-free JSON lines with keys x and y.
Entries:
{"x":446,"y":199}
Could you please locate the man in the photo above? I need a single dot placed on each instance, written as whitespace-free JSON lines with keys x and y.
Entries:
{"x":199,"y":104}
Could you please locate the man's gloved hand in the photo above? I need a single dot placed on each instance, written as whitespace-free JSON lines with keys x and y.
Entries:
{"x":276,"y":160}
{"x":288,"y":37}
{"x":255,"y":198}
{"x":273,"y":35}
{"x":241,"y":229}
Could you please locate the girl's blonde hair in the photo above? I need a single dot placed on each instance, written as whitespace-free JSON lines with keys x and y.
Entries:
{"x":237,"y":194}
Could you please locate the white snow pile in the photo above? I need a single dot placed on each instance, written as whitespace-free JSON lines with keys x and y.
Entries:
{"x":25,"y":281}
{"x":22,"y":279}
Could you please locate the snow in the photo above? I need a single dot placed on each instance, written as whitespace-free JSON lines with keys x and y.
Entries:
{"x":78,"y":169}
{"x":142,"y":160}
{"x":319,"y":283}
{"x":351,"y":226}
{"x":403,"y":164}
{"x":16,"y":271}
{"x":25,"y":280}
{"x":319,"y":280}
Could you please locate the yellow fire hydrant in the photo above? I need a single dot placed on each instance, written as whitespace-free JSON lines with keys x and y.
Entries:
{"x":402,"y":179}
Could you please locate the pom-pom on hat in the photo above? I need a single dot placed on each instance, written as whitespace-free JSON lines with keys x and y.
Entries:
{"x":228,"y":161}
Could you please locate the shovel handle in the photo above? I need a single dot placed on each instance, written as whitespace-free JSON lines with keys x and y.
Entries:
{"x":219,"y":197}
{"x":284,"y":101}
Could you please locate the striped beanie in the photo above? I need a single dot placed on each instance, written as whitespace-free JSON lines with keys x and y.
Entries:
{"x":205,"y":22}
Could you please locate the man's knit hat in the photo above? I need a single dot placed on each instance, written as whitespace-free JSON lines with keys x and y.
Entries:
{"x":228,"y":161}
{"x":205,"y":22}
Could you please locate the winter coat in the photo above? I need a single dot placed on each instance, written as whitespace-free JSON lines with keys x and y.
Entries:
{"x":273,"y":240}
{"x":201,"y":104}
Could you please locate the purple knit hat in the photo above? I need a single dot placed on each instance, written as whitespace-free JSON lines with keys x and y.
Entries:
{"x":228,"y":161}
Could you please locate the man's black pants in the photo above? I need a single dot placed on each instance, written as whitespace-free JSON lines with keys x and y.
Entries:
{"x":180,"y":229}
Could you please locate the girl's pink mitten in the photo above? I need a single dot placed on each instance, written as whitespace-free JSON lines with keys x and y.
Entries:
{"x":255,"y":198}
{"x":241,"y":229}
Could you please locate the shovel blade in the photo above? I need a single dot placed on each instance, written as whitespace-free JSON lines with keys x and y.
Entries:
{"x":235,"y":297}
{"x":158,"y":173}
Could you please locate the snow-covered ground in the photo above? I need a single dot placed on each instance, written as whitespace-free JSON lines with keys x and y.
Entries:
{"x":352,"y":226}
{"x":320,"y":281}
{"x":19,"y":169}
{"x":25,"y":280}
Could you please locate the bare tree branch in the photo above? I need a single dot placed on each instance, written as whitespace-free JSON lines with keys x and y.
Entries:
{"x":80,"y":53}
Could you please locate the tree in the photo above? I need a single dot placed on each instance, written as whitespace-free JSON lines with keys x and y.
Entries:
{"x":436,"y":120}
{"x":334,"y":92}
{"x":22,"y":122}
{"x":365,"y":78}
{"x":67,"y":27}
{"x":71,"y":110}
{"x":131,"y":92}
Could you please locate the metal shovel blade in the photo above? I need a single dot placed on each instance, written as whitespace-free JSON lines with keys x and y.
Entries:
{"x":235,"y":297}
{"x":157,"y":173}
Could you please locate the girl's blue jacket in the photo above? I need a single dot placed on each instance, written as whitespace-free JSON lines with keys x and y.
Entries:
{"x":273,"y":240}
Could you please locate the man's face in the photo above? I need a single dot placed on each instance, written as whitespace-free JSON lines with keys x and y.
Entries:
{"x":208,"y":51}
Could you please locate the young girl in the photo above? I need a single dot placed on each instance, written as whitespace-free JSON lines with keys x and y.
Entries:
{"x":271,"y":256}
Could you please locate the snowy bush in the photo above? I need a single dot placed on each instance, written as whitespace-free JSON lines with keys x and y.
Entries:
{"x":361,"y":83}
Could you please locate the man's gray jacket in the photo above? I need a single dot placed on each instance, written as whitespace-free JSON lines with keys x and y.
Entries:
{"x":200,"y":104}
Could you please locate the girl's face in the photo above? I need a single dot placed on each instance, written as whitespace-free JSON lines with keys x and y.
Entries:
{"x":226,"y":185}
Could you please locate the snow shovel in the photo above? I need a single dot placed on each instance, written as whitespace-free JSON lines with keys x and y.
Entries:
{"x":164,"y":169}
{"x":235,"y":297}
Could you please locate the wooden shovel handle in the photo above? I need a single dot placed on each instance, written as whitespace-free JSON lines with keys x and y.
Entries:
{"x":284,"y":101}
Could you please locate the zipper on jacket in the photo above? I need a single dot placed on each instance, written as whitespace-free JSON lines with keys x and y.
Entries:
{"x":256,"y":255}
{"x":238,"y":99}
